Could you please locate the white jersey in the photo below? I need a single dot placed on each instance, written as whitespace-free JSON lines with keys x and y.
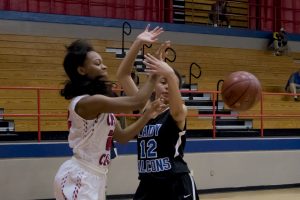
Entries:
{"x":91,"y":140}
{"x":84,"y":176}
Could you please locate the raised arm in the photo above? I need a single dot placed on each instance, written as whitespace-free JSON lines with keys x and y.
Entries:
{"x":125,"y":68}
{"x":177,"y":108}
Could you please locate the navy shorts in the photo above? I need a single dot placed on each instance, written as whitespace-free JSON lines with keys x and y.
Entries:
{"x":179,"y":187}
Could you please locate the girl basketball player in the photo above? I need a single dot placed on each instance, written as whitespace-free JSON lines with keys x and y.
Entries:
{"x":92,"y":125}
{"x":163,"y":173}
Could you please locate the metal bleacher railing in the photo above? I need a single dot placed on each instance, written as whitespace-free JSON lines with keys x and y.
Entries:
{"x":260,"y":115}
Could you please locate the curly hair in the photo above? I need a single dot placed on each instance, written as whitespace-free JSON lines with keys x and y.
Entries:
{"x":80,"y":84}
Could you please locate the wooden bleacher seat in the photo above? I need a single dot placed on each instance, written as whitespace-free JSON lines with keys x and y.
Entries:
{"x":40,"y":65}
{"x":36,"y":61}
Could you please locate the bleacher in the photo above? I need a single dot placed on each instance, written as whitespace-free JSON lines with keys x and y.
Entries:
{"x":37,"y":62}
{"x":197,"y":11}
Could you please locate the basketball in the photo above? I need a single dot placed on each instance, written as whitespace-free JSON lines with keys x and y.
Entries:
{"x":241,"y":90}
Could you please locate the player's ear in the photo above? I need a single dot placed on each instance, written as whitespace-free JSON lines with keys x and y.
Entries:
{"x":81,"y":70}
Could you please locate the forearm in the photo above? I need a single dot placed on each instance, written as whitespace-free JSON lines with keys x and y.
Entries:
{"x":145,"y":92}
{"x":177,"y":108}
{"x":125,"y":69}
{"x":133,"y":130}
{"x":127,"y":63}
{"x":174,"y":92}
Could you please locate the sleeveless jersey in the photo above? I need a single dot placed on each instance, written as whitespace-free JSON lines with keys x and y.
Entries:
{"x":160,"y":148}
{"x":91,"y":140}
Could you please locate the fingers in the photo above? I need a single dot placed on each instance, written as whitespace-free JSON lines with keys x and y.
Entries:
{"x":150,"y":67}
{"x":151,"y":64}
{"x":157,"y":31}
{"x":150,"y":36}
{"x":147,"y":28}
{"x":150,"y":57}
{"x":161,"y":52}
{"x":166,"y":45}
{"x":157,"y":66}
{"x":159,"y":104}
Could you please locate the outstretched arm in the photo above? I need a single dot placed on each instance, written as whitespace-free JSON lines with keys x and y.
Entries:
{"x":90,"y":107}
{"x":125,"y":68}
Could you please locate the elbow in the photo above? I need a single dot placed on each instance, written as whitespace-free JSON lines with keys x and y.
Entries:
{"x":141,"y":104}
{"x":123,"y":141}
{"x":179,"y":115}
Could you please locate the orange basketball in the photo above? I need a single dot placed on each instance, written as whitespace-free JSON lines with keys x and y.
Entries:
{"x":241,"y":90}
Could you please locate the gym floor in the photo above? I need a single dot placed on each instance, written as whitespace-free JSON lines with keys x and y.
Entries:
{"x":276,"y":194}
{"x":268,"y":194}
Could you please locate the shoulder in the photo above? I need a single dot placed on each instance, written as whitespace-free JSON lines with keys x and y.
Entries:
{"x":90,"y":106}
{"x":74,"y":101}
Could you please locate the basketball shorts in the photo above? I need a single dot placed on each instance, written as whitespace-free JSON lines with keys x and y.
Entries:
{"x":75,"y":181}
{"x":179,"y":187}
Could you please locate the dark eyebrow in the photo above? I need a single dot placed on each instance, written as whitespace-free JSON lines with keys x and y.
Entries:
{"x":98,"y":59}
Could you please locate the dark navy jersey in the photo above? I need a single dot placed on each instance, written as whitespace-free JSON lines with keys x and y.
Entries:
{"x":160,"y":148}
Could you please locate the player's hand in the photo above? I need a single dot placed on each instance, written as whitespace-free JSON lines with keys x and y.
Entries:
{"x":155,"y":108}
{"x":156,"y":66}
{"x":150,"y":36}
{"x":161,"y":52}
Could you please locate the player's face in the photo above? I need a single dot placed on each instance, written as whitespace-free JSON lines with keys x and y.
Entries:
{"x":161,"y":89}
{"x":94,"y":66}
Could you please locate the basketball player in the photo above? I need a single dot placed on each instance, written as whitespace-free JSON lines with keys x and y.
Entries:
{"x":163,"y":173}
{"x":92,"y":124}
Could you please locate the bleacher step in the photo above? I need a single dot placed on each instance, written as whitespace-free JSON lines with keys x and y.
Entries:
{"x":203,"y":104}
{"x":195,"y":96}
{"x":1,"y":112}
{"x":234,"y":124}
{"x":7,"y":126}
{"x":223,"y":111}
{"x":118,"y":52}
{"x":186,"y":86}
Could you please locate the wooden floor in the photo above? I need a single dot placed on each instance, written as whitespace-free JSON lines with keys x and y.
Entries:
{"x":277,"y":194}
{"x":274,"y":194}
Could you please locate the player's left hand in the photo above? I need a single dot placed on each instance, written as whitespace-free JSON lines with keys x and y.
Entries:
{"x":161,"y":53}
{"x":157,"y":66}
{"x":155,"y":108}
{"x":150,"y":36}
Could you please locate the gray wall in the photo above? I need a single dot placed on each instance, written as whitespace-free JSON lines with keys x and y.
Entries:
{"x":32,"y":178}
{"x":111,"y":33}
